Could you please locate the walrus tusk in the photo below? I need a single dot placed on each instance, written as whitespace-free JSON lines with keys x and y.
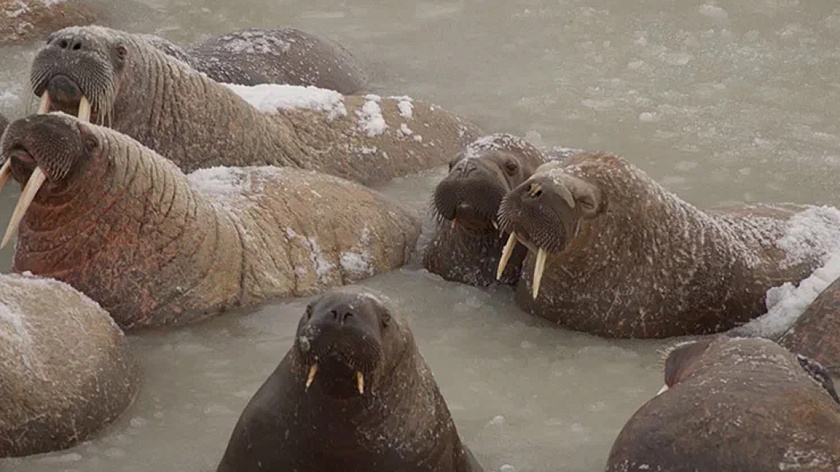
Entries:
{"x":506,"y":253}
{"x":35,"y":181}
{"x":454,"y":223}
{"x":44,"y":106}
{"x":5,"y":172}
{"x":360,"y":382}
{"x":309,"y":379}
{"x":662,"y":390}
{"x":84,"y":109}
{"x":539,"y":268}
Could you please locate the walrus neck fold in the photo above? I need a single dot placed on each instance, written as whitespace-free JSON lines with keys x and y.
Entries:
{"x":162,"y":99}
{"x":139,"y":220}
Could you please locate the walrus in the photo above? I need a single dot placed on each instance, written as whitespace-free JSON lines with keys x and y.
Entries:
{"x":4,"y":122}
{"x":154,"y":247}
{"x":466,"y":243}
{"x":27,"y":20}
{"x":66,"y":370}
{"x":733,"y":404}
{"x":612,"y":253}
{"x":197,"y":123}
{"x":352,"y":394}
{"x":816,"y":333}
{"x":276,"y":56}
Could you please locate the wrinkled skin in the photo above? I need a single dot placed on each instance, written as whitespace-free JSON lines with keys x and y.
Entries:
{"x":32,"y":20}
{"x":66,"y":370}
{"x":743,"y":405}
{"x":470,"y":195}
{"x":280,"y":56}
{"x":628,"y":259}
{"x":123,"y":225}
{"x":199,"y":123}
{"x":398,"y":422}
{"x":816,"y":333}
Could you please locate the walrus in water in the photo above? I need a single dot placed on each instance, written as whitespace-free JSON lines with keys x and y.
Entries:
{"x":277,"y":56}
{"x":612,"y":253}
{"x":66,"y":370}
{"x":154,"y":247}
{"x":466,"y":244}
{"x":352,"y":394}
{"x":197,"y":122}
{"x":28,"y":20}
{"x":816,"y":333}
{"x":731,"y":404}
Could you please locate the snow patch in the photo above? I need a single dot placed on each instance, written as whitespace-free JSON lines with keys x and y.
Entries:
{"x":269,"y":98}
{"x":787,"y":302}
{"x":254,"y":42}
{"x":815,"y":230}
{"x":494,"y":142}
{"x":405,"y":106}
{"x":223,"y":182}
{"x":370,"y":116}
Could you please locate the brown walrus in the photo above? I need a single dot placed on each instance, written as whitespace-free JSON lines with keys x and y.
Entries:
{"x":154,"y":247}
{"x":275,"y":56}
{"x":197,"y":122}
{"x":66,"y":370}
{"x":466,"y":244}
{"x":27,"y":20}
{"x":353,"y":394}
{"x":614,"y":254}
{"x":816,"y":333}
{"x":731,"y":404}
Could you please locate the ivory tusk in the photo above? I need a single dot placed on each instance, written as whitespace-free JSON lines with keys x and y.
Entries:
{"x":5,"y":172}
{"x":84,"y":109}
{"x":35,"y":181}
{"x":44,"y":106}
{"x":539,"y":268}
{"x":506,"y":253}
{"x":360,"y":382}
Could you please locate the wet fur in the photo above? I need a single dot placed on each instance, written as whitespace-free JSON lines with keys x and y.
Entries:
{"x":654,"y":266}
{"x":742,"y":404}
{"x":133,"y":233}
{"x":198,"y":123}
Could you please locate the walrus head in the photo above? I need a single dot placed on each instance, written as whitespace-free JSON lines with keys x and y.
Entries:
{"x":545,"y":213}
{"x":348,"y":341}
{"x":43,"y":148}
{"x":479,"y":177}
{"x":80,"y":70}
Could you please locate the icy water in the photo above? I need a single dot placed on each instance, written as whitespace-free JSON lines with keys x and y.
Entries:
{"x":726,"y":102}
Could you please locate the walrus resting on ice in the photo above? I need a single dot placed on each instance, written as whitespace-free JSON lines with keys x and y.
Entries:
{"x":816,"y":333}
{"x":276,"y":56}
{"x":65,"y":368}
{"x":123,"y":225}
{"x":466,"y":244}
{"x":30,"y":20}
{"x":198,"y":123}
{"x":617,"y":255}
{"x":733,"y":404}
{"x":353,"y":394}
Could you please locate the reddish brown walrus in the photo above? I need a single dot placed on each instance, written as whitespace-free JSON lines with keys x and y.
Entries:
{"x":466,"y":244}
{"x":734,"y":404}
{"x":196,"y":122}
{"x":353,"y":394}
{"x":614,"y":254}
{"x":154,"y":247}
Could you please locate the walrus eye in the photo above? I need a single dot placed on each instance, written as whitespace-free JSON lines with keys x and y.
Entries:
{"x":511,"y":167}
{"x":386,"y":320}
{"x":91,"y":143}
{"x":121,"y":51}
{"x":308,"y":312}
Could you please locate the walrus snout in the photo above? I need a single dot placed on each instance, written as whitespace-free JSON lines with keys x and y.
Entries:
{"x":470,"y":195}
{"x":64,"y":90}
{"x":340,"y":336}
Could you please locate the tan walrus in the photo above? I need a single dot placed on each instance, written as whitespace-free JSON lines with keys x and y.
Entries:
{"x":197,"y":123}
{"x":614,"y":254}
{"x":66,"y":370}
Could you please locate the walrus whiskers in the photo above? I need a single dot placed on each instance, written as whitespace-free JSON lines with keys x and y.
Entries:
{"x":37,"y":179}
